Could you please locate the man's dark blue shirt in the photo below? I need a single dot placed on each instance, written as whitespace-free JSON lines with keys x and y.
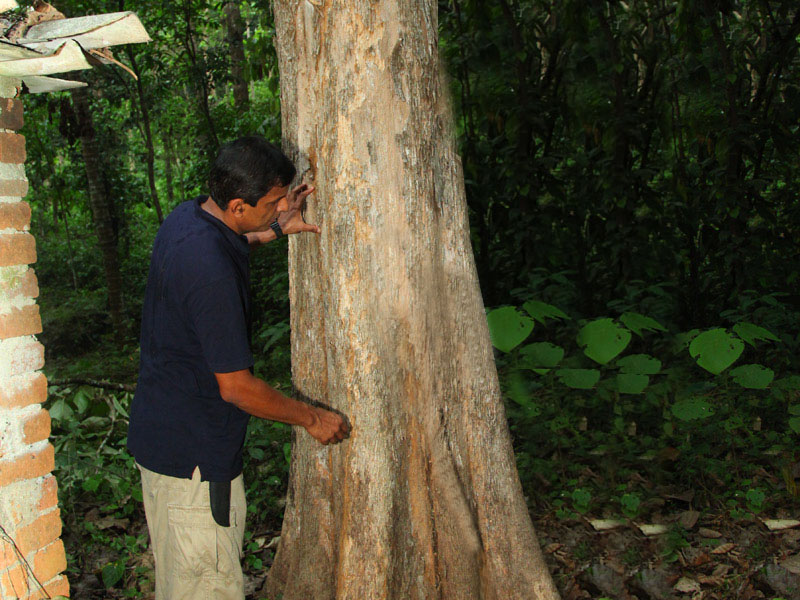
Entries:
{"x":195,"y":322}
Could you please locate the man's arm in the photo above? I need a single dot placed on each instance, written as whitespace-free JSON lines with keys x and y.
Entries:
{"x":254,"y":396}
{"x":259,"y":238}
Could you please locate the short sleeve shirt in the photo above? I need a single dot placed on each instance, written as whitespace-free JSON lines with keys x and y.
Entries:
{"x":195,"y":322}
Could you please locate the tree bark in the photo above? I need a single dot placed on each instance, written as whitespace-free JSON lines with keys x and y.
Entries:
{"x":101,"y":208}
{"x":234,"y":32}
{"x":423,"y":501}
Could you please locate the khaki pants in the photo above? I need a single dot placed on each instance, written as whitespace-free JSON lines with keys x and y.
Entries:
{"x":195,"y":558}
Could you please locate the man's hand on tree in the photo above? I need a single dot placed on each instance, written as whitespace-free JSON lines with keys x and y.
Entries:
{"x":291,"y":220}
{"x":327,"y":427}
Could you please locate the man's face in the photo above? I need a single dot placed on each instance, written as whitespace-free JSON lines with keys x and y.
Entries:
{"x":259,"y":217}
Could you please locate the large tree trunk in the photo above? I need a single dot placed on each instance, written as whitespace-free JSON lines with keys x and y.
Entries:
{"x":423,"y":501}
{"x":101,"y":208}
{"x":234,"y":33}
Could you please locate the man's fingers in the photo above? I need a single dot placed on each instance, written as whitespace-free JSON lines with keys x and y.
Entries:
{"x":301,"y":196}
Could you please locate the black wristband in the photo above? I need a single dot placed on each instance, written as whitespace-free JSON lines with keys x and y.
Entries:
{"x":275,"y":226}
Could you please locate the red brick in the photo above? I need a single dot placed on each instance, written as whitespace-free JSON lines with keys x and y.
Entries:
{"x":50,"y":561}
{"x":13,"y":187}
{"x":20,"y":321}
{"x":40,"y":533}
{"x":33,"y":391}
{"x":17,"y":249}
{"x":27,"y":466}
{"x":49,"y":497}
{"x":14,"y":582}
{"x":36,"y":428}
{"x":20,"y":355}
{"x":11,"y":114}
{"x":12,"y":148}
{"x":15,"y":215}
{"x":54,"y":588}
{"x":26,"y":285}
{"x":7,"y":556}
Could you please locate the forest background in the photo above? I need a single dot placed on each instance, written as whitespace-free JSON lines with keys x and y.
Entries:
{"x":631,"y":178}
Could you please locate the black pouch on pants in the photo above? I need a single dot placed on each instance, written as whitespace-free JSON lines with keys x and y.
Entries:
{"x":219,"y":492}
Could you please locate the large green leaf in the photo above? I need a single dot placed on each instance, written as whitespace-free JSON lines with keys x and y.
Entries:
{"x":541,"y":354}
{"x":580,"y":379}
{"x":508,"y":328}
{"x":61,"y":411}
{"x":716,"y":350}
{"x":751,"y":333}
{"x":754,"y":377}
{"x":639,"y":364}
{"x":112,"y":573}
{"x":632,"y":383}
{"x":638,"y":323}
{"x":542,"y":311}
{"x":692,"y":409}
{"x":603,"y":339}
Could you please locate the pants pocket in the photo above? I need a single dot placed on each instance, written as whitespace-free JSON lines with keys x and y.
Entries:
{"x":197,"y":547}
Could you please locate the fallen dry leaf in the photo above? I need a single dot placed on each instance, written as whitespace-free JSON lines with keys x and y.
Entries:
{"x":723,"y":548}
{"x":686,"y":585}
{"x":653,"y":529}
{"x":606,"y":524}
{"x":792,"y":564}
{"x":721,"y":570}
{"x":688,"y":518}
{"x":709,"y":533}
{"x":779,"y":524}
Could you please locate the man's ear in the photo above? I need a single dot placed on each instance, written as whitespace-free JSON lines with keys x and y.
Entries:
{"x":236,"y":207}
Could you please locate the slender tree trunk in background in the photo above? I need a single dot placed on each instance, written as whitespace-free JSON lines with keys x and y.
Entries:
{"x":423,"y":501}
{"x":69,"y":249}
{"x":200,"y":83}
{"x":169,"y":154}
{"x":148,"y":138}
{"x":101,"y":208}
{"x":234,"y":33}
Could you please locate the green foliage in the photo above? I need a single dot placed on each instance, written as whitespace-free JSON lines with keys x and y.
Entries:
{"x":692,"y":409}
{"x":643,"y":168}
{"x":632,"y":403}
{"x":508,"y":328}
{"x":716,"y":350}
{"x":579,"y":379}
{"x":639,"y":364}
{"x":754,"y":377}
{"x":638,"y":323}
{"x":603,"y":340}
{"x":542,"y":311}
{"x":630,"y":504}
{"x":541,"y":356}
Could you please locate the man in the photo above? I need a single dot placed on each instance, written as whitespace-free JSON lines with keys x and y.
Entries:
{"x":196,"y":392}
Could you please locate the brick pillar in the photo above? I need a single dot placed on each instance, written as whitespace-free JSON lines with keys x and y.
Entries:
{"x":30,"y":522}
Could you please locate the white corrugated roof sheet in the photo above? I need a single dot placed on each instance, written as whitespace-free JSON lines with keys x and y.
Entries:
{"x":61,"y":45}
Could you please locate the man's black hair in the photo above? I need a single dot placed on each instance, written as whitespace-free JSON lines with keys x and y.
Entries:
{"x":248,"y":168}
